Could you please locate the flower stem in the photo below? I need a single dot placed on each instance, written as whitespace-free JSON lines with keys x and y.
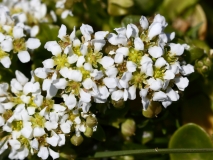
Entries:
{"x":152,"y":151}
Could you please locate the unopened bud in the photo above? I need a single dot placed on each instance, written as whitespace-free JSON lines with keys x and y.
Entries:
{"x":153,"y":110}
{"x":76,"y":140}
{"x":118,"y":104}
{"x":91,"y":121}
{"x":88,"y":132}
{"x":128,"y":128}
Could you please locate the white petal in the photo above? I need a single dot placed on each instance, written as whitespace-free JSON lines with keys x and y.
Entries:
{"x":160,"y":62}
{"x":80,"y":61}
{"x":110,"y":82}
{"x":62,"y":32}
{"x":154,"y":30}
{"x":53,"y":141}
{"x":60,"y":83}
{"x":66,"y":13}
{"x":18,"y":32}
{"x":85,"y":97}
{"x":138,"y":43}
{"x":71,"y":101}
{"x":173,"y":95}
{"x":155,"y":85}
{"x":181,"y":83}
{"x":41,"y":73}
{"x":27,"y":131}
{"x":34,"y":143}
{"x":75,"y":75}
{"x":117,"y":95}
{"x":48,"y":63}
{"x":155,"y":51}
{"x":53,"y":47}
{"x":24,"y":56}
{"x":187,"y":69}
{"x":176,"y":49}
{"x":7,"y":45}
{"x":72,"y":59}
{"x":159,"y":96}
{"x":101,"y":34}
{"x":131,"y":66}
{"x":34,"y":31}
{"x":65,"y":127}
{"x":144,"y":22}
{"x":86,"y":30}
{"x":38,"y":132}
{"x":107,"y":62}
{"x":169,"y":74}
{"x":53,"y":154}
{"x":84,"y":49}
{"x":123,"y":50}
{"x":88,"y":83}
{"x":119,"y":57}
{"x":132,"y":92}
{"x":132,"y":31}
{"x":15,"y":144}
{"x":43,"y":152}
{"x":21,"y":77}
{"x":61,"y":140}
{"x":33,"y":43}
{"x":6,"y":62}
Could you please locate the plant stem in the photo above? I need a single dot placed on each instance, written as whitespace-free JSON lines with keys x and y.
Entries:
{"x":152,"y":151}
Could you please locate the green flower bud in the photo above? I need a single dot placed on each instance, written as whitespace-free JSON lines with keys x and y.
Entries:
{"x":128,"y":127}
{"x":153,"y":110}
{"x":91,"y":121}
{"x":118,"y":104}
{"x":88,"y":132}
{"x":76,"y":140}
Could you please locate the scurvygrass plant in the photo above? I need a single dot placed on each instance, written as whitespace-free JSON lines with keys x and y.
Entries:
{"x":38,"y":115}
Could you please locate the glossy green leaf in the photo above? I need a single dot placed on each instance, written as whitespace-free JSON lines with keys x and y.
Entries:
{"x":190,"y":136}
{"x":194,"y":53}
{"x":171,"y":8}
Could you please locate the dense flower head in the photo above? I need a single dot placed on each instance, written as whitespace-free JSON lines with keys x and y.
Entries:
{"x":99,"y":67}
{"x":35,"y":124}
{"x":15,"y":36}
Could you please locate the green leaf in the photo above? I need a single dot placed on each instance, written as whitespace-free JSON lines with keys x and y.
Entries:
{"x":190,"y":136}
{"x":99,"y":134}
{"x":193,"y":54}
{"x":130,"y":19}
{"x":171,"y":8}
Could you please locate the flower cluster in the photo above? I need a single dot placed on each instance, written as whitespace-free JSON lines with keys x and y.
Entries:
{"x":12,"y":37}
{"x":99,"y":67}
{"x":35,"y":124}
{"x":112,"y":67}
